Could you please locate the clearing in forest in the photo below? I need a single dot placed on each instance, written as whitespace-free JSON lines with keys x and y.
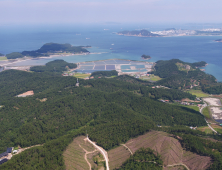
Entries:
{"x":82,"y":155}
{"x":168,"y":147}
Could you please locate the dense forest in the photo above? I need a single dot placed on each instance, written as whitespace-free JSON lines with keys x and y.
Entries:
{"x":112,"y":110}
{"x":186,"y":78}
{"x":48,"y":48}
{"x":14,"y":55}
{"x":143,"y":159}
{"x":57,"y":66}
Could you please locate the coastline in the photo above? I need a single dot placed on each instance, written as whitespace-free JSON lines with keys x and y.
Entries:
{"x":169,"y":36}
{"x":13,"y":61}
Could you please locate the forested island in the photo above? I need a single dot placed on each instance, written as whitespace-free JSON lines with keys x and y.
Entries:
{"x":145,"y":57}
{"x":141,"y":33}
{"x":49,"y":49}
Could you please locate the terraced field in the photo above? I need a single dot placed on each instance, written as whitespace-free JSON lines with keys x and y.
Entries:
{"x":75,"y":154}
{"x":168,"y":147}
{"x":117,"y":156}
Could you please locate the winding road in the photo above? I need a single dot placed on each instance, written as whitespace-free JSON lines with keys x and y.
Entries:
{"x":102,"y":151}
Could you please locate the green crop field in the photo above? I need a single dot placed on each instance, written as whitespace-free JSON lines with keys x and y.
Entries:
{"x":198,"y":93}
{"x":206,"y":112}
{"x":3,"y":58}
{"x":151,"y":77}
{"x":81,"y":76}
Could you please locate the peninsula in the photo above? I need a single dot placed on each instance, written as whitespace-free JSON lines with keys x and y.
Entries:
{"x":50,"y":49}
{"x":172,"y":32}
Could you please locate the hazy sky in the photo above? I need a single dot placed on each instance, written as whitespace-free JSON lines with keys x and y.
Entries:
{"x":147,"y":11}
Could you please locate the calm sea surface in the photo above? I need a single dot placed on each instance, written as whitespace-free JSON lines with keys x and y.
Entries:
{"x":189,"y":49}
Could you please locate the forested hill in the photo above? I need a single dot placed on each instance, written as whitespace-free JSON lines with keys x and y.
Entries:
{"x":111,"y":110}
{"x":56,"y":66}
{"x":47,"y":49}
{"x":181,"y":75}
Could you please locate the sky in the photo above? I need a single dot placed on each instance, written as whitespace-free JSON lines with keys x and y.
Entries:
{"x":116,"y":11}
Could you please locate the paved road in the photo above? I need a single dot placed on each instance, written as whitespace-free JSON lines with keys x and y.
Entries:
{"x":102,"y":151}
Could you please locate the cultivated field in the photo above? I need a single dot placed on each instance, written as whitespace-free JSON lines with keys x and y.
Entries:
{"x":168,"y":147}
{"x":77,"y":152}
{"x":82,"y":76}
{"x":198,"y":93}
{"x":117,"y":156}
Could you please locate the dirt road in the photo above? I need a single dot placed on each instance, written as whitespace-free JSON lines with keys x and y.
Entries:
{"x":102,"y":151}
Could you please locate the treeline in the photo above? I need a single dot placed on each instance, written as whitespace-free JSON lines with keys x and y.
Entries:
{"x":97,"y":74}
{"x":143,"y":159}
{"x":57,"y":66}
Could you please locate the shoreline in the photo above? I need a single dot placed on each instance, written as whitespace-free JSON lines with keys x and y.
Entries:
{"x":13,"y":61}
{"x":169,"y":36}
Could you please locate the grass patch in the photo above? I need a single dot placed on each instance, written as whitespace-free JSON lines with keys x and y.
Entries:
{"x":198,"y":93}
{"x":205,"y":129}
{"x":3,"y":58}
{"x":152,"y":77}
{"x":206,"y":112}
{"x":81,"y":76}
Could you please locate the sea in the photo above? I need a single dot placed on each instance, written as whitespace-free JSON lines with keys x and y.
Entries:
{"x":106,"y":44}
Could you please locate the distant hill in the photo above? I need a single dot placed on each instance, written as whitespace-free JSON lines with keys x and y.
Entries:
{"x":181,"y":75}
{"x":142,"y":33}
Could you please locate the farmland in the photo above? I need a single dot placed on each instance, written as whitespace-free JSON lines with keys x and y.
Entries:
{"x":74,"y":154}
{"x":168,"y":147}
{"x":198,"y":93}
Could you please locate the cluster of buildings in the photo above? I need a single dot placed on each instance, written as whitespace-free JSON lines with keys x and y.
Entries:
{"x":5,"y":156}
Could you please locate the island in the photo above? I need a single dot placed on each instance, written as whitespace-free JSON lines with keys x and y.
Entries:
{"x":145,"y":57}
{"x":172,"y":32}
{"x":141,"y":33}
{"x":218,"y":40}
{"x":50,"y":49}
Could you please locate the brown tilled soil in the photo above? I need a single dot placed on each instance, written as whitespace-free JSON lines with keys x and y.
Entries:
{"x":74,"y":154}
{"x":117,"y":156}
{"x":168,"y":147}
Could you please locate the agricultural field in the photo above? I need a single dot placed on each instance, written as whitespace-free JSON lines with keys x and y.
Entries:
{"x":218,"y":128}
{"x":205,"y":129}
{"x":206,"y":113}
{"x":81,"y":76}
{"x":150,"y":78}
{"x":193,"y":107}
{"x":117,"y":156}
{"x":77,"y":152}
{"x":168,"y":147}
{"x":3,"y":58}
{"x":198,"y":93}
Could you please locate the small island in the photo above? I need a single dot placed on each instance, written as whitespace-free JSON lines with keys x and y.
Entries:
{"x":145,"y":57}
{"x":218,"y":40}
{"x":50,"y":49}
{"x":141,"y":33}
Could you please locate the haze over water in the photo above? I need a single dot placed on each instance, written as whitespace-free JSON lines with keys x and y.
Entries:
{"x":188,"y":49}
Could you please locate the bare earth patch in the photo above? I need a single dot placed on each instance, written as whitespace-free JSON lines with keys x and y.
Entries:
{"x":213,"y":101}
{"x":75,"y":155}
{"x":168,"y":147}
